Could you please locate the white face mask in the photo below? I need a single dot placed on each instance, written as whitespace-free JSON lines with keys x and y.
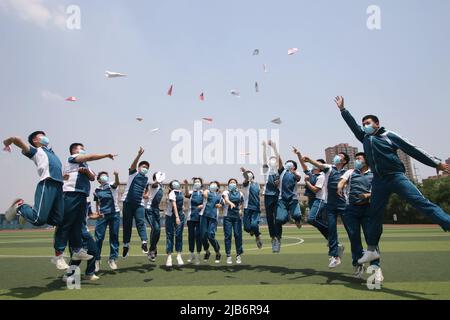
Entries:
{"x":273,"y":163}
{"x":197,"y":186}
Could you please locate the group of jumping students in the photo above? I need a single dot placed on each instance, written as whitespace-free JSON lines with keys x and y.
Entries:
{"x":358,"y":195}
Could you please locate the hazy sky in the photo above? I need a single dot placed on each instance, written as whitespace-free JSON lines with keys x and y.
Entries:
{"x":401,"y":73}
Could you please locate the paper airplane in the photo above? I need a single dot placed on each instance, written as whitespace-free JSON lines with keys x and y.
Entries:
{"x":139,"y":119}
{"x":265,"y":68}
{"x":256,"y":87}
{"x":245,"y":153}
{"x":110,"y":74}
{"x":208,"y":119}
{"x":291,"y":51}
{"x":169,"y":93}
{"x":71,"y":99}
{"x":276,"y":121}
{"x":202,"y":97}
{"x":155,"y":130}
{"x":235,"y":93}
{"x":255,"y":52}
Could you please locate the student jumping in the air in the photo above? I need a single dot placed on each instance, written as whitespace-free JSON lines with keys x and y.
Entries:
{"x":232,"y":223}
{"x":49,"y":204}
{"x":133,"y":204}
{"x":107,"y":205}
{"x":175,"y":220}
{"x":212,"y":201}
{"x":90,"y":245}
{"x":315,"y":184}
{"x":252,"y":206}
{"x":195,"y":197}
{"x":356,"y":185}
{"x":152,"y":198}
{"x":335,"y":204}
{"x":271,"y":194}
{"x":380,"y":146}
{"x":77,"y":187}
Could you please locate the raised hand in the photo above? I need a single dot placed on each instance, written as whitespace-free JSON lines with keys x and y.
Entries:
{"x":443,"y":167}
{"x":339,"y":100}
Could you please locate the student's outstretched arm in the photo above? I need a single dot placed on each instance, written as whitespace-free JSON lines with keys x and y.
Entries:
{"x":300,"y":158}
{"x":273,"y":145}
{"x":246,"y":182}
{"x":314,"y":163}
{"x":18,"y":142}
{"x":93,"y":157}
{"x":186,"y":189}
{"x":341,"y":185}
{"x":88,"y":172}
{"x":134,"y":164}
{"x":116,"y":180}
{"x":264,"y":153}
{"x":351,"y":122}
{"x":417,"y":153}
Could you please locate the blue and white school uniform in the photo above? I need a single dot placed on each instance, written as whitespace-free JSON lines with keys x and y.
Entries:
{"x":252,"y":208}
{"x":193,"y":220}
{"x":152,"y":212}
{"x":48,"y":198}
{"x":317,"y":213}
{"x":172,"y":229}
{"x":288,"y":205}
{"x":77,"y":188}
{"x":271,"y":194}
{"x":106,"y":195}
{"x":133,"y":206}
{"x":232,"y":222}
{"x":208,"y":220}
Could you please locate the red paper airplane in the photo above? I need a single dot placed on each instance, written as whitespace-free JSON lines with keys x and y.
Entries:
{"x":202,"y":97}
{"x":169,"y":93}
{"x":208,"y":119}
{"x":71,"y":99}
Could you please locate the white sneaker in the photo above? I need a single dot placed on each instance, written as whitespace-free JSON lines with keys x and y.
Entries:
{"x":197,"y":259}
{"x":61,"y":264}
{"x":341,"y":250}
{"x":334,"y":262}
{"x":81,"y":255}
{"x":169,"y":261}
{"x":11,"y":213}
{"x":358,"y":271}
{"x":229,"y":260}
{"x":180,"y":260}
{"x":238,"y":259}
{"x":191,"y":257}
{"x":112,"y":264}
{"x":369,"y":256}
{"x":379,"y":278}
{"x":91,"y":278}
{"x":97,"y":265}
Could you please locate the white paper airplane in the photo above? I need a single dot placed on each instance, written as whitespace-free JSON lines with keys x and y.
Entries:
{"x":155,"y":130}
{"x":110,"y":74}
{"x":291,"y":51}
{"x":235,"y":93}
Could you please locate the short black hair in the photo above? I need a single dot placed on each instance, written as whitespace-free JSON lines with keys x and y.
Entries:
{"x":232,"y":179}
{"x":33,"y":135}
{"x":294,"y":163}
{"x":321,"y":161}
{"x":144,"y":163}
{"x":74,"y":145}
{"x":361,"y":154}
{"x":371,"y":116}
{"x":346,"y":157}
{"x":100,"y":174}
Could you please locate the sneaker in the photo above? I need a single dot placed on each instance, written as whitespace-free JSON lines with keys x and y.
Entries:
{"x":274,"y":245}
{"x":11,"y":213}
{"x":97,"y":265}
{"x":334,"y":262}
{"x":180,"y":260}
{"x":91,"y":278}
{"x":298,"y":224}
{"x":341,"y":249}
{"x":169,"y":261}
{"x":125,"y":251}
{"x":358,"y":271}
{"x":197,"y":259}
{"x":144,"y":248}
{"x":207,"y":255}
{"x":238,"y":259}
{"x":112,"y":264}
{"x":229,"y":260}
{"x":259,"y":243}
{"x":191,"y":257}
{"x":61,"y":264}
{"x":379,"y":278}
{"x":369,"y":256}
{"x":218,"y":255}
{"x":81,"y":255}
{"x":278,"y":248}
{"x":152,"y":256}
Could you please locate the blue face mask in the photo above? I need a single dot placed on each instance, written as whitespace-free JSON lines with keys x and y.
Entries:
{"x":104,"y":179}
{"x":197,"y":186}
{"x":176,"y":185}
{"x":369,"y":129}
{"x":359,"y":164}
{"x":288,"y":166}
{"x":213,"y":188}
{"x":143,"y":171}
{"x":82,"y":152}
{"x":336,"y":160}
{"x":232,"y":187}
{"x":44,"y":140}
